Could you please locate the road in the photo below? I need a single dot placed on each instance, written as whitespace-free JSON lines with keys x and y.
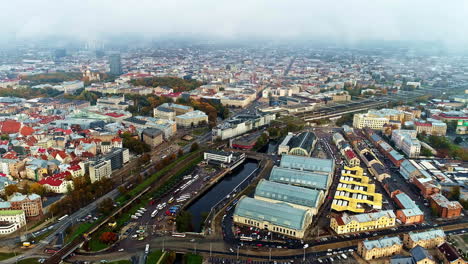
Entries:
{"x":219,"y":248}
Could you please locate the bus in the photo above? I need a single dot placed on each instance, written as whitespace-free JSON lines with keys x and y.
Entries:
{"x":62,"y":218}
{"x":174,"y":234}
{"x":147,"y":249}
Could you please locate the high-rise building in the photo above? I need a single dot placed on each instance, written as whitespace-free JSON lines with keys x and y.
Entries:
{"x":115,"y":64}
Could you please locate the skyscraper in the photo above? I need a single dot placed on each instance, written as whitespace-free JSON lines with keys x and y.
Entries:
{"x":115,"y":64}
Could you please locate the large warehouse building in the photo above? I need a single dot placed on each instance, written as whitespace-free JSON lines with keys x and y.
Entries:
{"x":297,"y":197}
{"x":284,"y":219}
{"x":300,"y":145}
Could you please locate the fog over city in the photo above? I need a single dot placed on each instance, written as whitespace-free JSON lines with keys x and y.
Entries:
{"x":336,"y":20}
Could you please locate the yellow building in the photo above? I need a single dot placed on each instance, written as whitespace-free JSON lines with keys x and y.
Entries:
{"x":427,"y":239}
{"x":362,"y":222}
{"x":384,"y":247}
{"x":355,"y":192}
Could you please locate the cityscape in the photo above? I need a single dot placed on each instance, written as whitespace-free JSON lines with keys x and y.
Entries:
{"x":230,"y":150}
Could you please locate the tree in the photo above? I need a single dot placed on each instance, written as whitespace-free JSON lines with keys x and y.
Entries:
{"x":458,"y":140}
{"x":106,"y":206}
{"x":108,"y":237}
{"x":194,"y":147}
{"x":454,"y":193}
{"x":11,"y":189}
{"x":37,"y":189}
{"x":184,"y":222}
{"x":122,"y":190}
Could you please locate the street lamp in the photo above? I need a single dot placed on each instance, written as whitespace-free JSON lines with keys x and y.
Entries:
{"x":305,"y":246}
{"x":237,"y":252}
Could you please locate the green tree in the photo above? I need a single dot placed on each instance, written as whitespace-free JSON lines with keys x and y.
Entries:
{"x":454,"y":193}
{"x":184,"y":222}
{"x":106,"y":206}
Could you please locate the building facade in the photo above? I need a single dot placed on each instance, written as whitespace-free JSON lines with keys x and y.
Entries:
{"x":346,"y":223}
{"x":380,"y":248}
{"x":278,"y":218}
{"x":426,"y":239}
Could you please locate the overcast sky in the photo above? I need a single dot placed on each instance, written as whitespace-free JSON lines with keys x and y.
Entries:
{"x":344,"y":20}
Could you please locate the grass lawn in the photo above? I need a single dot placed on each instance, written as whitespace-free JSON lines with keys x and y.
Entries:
{"x":81,"y":229}
{"x":121,"y":262}
{"x":200,"y":131}
{"x":465,"y":238}
{"x":193,"y":259}
{"x":182,"y":143}
{"x":4,"y":256}
{"x":95,"y":244}
{"x":28,"y":261}
{"x":153,"y":257}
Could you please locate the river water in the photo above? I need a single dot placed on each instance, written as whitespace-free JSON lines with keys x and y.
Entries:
{"x":219,"y":192}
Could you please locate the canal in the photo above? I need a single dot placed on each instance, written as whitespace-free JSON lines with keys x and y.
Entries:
{"x":219,"y":192}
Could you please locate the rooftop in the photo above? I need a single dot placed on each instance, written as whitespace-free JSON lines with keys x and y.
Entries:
{"x":299,"y":177}
{"x":382,"y":242}
{"x":278,"y":214}
{"x":287,"y":193}
{"x":426,"y":235}
{"x":307,"y":163}
{"x":10,"y":212}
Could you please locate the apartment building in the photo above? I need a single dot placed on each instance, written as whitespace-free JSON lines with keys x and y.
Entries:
{"x":384,"y":247}
{"x":346,"y":223}
{"x":426,"y":239}
{"x":406,"y":141}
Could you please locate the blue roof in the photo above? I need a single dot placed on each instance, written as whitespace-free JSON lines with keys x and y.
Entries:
{"x":419,"y":253}
{"x":399,"y":259}
{"x":306,"y":163}
{"x":277,"y":214}
{"x":406,"y":168}
{"x":287,"y":193}
{"x":406,"y":201}
{"x":376,"y":137}
{"x":396,"y":155}
{"x":298,"y":177}
{"x":425,"y":235}
{"x":382,"y":243}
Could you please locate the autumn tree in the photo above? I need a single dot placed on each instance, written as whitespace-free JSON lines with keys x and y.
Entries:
{"x":11,"y":189}
{"x":108,"y":237}
{"x":37,"y":189}
{"x":194,"y":147}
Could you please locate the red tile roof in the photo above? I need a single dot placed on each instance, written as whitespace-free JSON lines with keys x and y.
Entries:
{"x":113,"y":114}
{"x":27,"y":131}
{"x":422,"y":124}
{"x":10,"y":126}
{"x":56,"y":179}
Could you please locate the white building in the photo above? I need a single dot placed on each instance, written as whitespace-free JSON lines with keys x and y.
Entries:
{"x":11,"y":220}
{"x":240,"y":125}
{"x":99,"y":170}
{"x":221,"y":156}
{"x":406,"y":141}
